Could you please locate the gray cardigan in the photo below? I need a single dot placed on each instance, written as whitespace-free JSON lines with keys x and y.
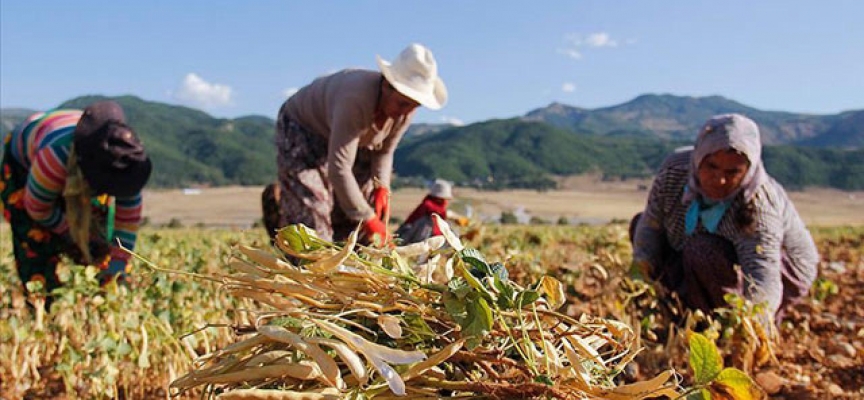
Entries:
{"x":779,"y":229}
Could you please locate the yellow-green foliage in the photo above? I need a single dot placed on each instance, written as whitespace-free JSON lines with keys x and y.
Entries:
{"x":105,"y":341}
{"x":111,"y":339}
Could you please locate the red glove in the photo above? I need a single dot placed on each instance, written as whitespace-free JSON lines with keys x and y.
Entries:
{"x":381,"y":202}
{"x":374,"y":232}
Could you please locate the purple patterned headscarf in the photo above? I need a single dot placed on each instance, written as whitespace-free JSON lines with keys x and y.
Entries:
{"x":729,"y":131}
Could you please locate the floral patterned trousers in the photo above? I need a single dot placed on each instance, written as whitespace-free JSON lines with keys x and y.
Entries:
{"x":303,"y":193}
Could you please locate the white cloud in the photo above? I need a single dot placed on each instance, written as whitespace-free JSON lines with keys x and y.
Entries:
{"x":290,"y":91}
{"x":571,"y":52}
{"x":452,"y":121}
{"x":196,"y":91}
{"x":568,"y":87}
{"x":600,"y":39}
{"x":574,"y":43}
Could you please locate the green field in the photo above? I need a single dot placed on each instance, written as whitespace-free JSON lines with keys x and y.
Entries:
{"x":134,"y":341}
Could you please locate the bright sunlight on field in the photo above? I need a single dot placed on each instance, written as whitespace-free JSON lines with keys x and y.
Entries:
{"x":134,"y":342}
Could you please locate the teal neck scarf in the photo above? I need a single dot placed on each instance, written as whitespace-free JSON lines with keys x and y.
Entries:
{"x":710,"y":213}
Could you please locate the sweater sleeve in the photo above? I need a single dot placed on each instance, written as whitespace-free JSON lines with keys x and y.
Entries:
{"x":341,"y":154}
{"x":382,"y":163}
{"x":798,"y":246}
{"x":649,"y":237}
{"x":45,"y":184}
{"x":126,"y":223}
{"x":760,"y":256}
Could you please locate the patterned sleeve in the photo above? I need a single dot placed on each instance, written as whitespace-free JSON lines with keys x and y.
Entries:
{"x":45,"y":184}
{"x":126,"y":222}
{"x":759,"y":255}
{"x":648,"y":240}
{"x":798,"y":244}
{"x":801,"y":250}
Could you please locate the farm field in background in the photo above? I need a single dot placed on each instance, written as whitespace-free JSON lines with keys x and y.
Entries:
{"x":581,"y":200}
{"x":134,"y":342}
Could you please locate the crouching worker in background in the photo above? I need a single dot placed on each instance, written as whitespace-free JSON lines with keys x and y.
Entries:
{"x":715,"y":208}
{"x":335,"y":141}
{"x":419,"y":225}
{"x":71,"y":184}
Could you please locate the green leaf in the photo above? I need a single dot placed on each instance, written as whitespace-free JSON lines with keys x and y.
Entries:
{"x":123,"y":349}
{"x":143,"y":361}
{"x":500,"y":271}
{"x":107,"y":344}
{"x":479,"y":320}
{"x":459,"y":287}
{"x":301,"y":238}
{"x":472,"y":257}
{"x":701,"y":394}
{"x":474,"y":282}
{"x":455,"y":306}
{"x":544,"y":379}
{"x":506,"y":294}
{"x":35,"y":286}
{"x":736,"y":384}
{"x":396,"y":263}
{"x":291,"y":234}
{"x":526,"y":297}
{"x":287,"y":322}
{"x":704,"y":359}
{"x":416,"y":328}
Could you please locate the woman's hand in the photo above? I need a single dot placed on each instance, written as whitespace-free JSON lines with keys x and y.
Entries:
{"x":116,"y":269}
{"x":375,"y":232}
{"x":381,"y":202}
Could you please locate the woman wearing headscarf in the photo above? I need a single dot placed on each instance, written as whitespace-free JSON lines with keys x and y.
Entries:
{"x":713,"y":208}
{"x":335,"y":142}
{"x":70,"y":183}
{"x":419,"y":225}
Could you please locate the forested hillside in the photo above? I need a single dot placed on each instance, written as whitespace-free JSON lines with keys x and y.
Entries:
{"x":679,"y":117}
{"x":190,"y":147}
{"x":516,"y":153}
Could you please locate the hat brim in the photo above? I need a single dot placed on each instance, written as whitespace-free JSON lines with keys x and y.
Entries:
{"x":433,"y":100}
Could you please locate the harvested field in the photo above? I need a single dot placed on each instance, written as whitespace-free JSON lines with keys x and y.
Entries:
{"x":132,"y":343}
{"x":591,"y":203}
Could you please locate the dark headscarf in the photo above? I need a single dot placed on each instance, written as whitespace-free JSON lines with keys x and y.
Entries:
{"x":109,"y":153}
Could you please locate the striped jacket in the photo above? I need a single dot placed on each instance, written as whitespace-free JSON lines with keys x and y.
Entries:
{"x":42,"y":144}
{"x":778,"y":230}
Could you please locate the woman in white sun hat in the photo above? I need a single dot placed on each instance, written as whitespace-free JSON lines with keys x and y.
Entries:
{"x":335,"y":142}
{"x":419,"y":225}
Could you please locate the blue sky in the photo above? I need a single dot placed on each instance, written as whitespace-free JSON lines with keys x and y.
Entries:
{"x":499,"y":58}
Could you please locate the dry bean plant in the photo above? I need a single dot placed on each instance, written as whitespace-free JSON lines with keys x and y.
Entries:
{"x":179,"y":330}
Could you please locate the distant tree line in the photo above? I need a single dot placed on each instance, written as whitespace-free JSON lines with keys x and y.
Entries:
{"x":519,"y":154}
{"x":190,"y":147}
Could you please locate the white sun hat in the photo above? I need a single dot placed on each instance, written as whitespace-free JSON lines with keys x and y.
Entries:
{"x":441,"y":189}
{"x":414,"y":73}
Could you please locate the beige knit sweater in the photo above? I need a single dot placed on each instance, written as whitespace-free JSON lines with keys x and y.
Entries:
{"x":341,"y":108}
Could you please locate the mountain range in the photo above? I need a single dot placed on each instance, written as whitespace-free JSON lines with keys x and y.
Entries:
{"x":190,"y":147}
{"x":679,"y":118}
